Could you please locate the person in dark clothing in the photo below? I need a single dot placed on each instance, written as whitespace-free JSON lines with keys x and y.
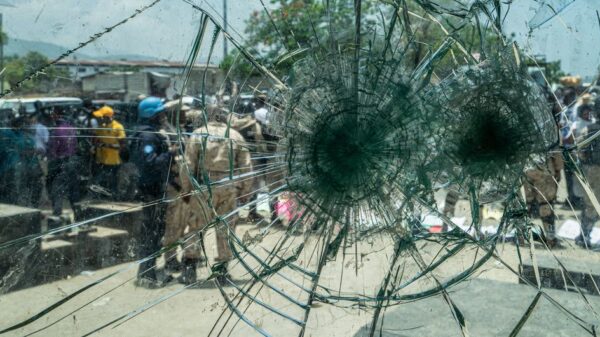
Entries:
{"x":152,"y":155}
{"x":63,"y":164}
{"x":9,"y":155}
{"x":87,"y":124}
{"x":20,"y":169}
{"x":30,"y":170}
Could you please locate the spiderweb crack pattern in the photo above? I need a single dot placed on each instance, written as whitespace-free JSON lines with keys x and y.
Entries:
{"x":382,"y":106}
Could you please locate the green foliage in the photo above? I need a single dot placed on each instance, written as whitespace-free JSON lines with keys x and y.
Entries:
{"x":239,"y":66}
{"x":17,"y":68}
{"x":3,"y":38}
{"x":296,"y":24}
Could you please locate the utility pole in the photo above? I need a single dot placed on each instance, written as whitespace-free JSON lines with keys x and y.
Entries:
{"x":224,"y":28}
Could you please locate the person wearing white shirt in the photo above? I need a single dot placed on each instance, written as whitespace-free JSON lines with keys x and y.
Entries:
{"x":41,"y":137}
{"x":261,"y":113}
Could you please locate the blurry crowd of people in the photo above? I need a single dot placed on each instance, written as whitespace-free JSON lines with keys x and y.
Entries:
{"x":86,"y":153}
{"x":193,"y":167}
{"x":579,"y":123}
{"x":576,"y":108}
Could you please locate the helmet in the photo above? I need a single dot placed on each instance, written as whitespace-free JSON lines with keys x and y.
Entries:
{"x":150,"y":107}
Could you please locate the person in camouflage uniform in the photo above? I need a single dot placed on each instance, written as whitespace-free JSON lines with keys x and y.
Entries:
{"x":541,"y":186}
{"x":214,"y":152}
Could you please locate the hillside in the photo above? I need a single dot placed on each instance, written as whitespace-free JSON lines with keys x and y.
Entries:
{"x":21,"y":47}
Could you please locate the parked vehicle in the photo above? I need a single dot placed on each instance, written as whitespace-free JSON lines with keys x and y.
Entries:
{"x":32,"y":104}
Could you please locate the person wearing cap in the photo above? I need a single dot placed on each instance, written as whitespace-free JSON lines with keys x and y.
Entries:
{"x":110,"y":139}
{"x":151,"y":153}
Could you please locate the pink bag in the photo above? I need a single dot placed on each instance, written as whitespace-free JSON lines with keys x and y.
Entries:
{"x":287,"y":209}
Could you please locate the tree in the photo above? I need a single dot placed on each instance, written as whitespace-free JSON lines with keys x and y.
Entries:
{"x":3,"y":38}
{"x":295,"y":24}
{"x":18,"y":69}
{"x":238,"y":64}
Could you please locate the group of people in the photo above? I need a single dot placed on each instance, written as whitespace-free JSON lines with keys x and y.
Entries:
{"x":35,"y":147}
{"x":577,"y":154}
{"x":50,"y":148}
{"x":202,"y":178}
{"x":579,"y":124}
{"x":577,"y":114}
{"x":186,"y":180}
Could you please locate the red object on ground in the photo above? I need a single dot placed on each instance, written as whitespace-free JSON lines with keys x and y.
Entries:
{"x":435,"y":229}
{"x":287,"y":209}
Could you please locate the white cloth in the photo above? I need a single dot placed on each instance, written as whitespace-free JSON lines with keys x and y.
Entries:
{"x":262,"y":115}
{"x":570,"y":229}
{"x":579,"y":129}
{"x":41,"y":138}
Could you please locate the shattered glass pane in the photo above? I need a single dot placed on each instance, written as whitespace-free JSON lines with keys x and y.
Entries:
{"x":547,"y":10}
{"x":296,"y":168}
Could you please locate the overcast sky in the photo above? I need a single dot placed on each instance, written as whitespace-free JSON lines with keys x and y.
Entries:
{"x":573,"y":37}
{"x":167,"y":30}
{"x":164,"y":31}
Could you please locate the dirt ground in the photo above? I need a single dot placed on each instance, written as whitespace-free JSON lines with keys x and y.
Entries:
{"x":492,"y":300}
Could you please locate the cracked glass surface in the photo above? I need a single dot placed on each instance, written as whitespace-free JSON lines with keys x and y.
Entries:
{"x":350,"y":168}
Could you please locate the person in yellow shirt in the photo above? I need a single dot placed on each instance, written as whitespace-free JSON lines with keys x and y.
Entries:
{"x":110,"y":140}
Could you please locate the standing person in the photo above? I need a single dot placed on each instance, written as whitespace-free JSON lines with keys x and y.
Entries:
{"x":110,"y":139}
{"x":590,"y":165}
{"x":450,"y":201}
{"x":152,"y":155}
{"x":177,"y":209}
{"x":87,"y":124}
{"x":41,"y":135}
{"x":22,"y":173}
{"x":568,"y":95}
{"x":30,"y":171}
{"x":261,"y":113}
{"x":63,"y":163}
{"x":9,"y":154}
{"x":541,"y":180}
{"x":215,"y":153}
{"x":541,"y":187}
{"x":252,"y":132}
